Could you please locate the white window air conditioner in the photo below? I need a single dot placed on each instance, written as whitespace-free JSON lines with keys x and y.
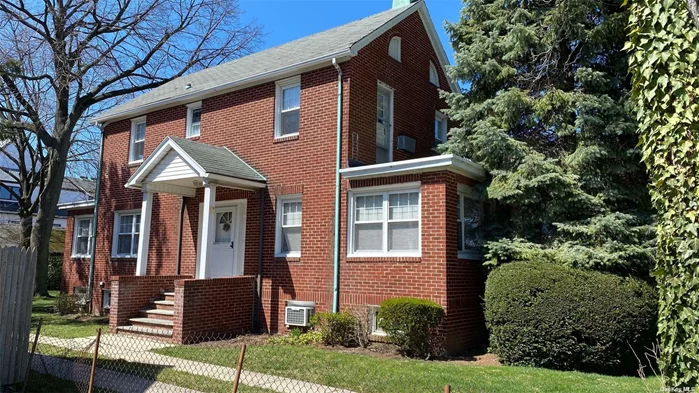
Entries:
{"x":406,"y":143}
{"x":298,"y":313}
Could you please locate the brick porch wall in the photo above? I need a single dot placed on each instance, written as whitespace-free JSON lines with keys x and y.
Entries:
{"x":132,"y":293}
{"x":205,"y":309}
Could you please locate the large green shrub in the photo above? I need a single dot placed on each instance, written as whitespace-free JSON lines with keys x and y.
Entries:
{"x":552,"y":316}
{"x":410,"y":323}
{"x":336,"y":328}
{"x":55,"y":271}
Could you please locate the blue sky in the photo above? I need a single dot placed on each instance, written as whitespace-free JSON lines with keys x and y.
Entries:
{"x":286,"y":20}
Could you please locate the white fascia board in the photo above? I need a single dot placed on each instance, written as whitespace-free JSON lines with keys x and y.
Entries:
{"x":157,"y":154}
{"x":76,"y":205}
{"x":308,"y":65}
{"x":233,"y":182}
{"x":449,"y":162}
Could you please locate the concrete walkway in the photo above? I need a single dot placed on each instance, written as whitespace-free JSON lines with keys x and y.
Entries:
{"x":138,"y":350}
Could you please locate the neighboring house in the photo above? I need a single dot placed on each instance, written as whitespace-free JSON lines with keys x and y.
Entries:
{"x":227,"y":176}
{"x":74,"y":189}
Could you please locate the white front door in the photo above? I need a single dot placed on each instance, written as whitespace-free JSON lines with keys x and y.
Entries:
{"x":223,"y":252}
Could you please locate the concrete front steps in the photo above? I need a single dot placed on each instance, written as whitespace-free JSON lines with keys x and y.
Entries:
{"x":155,"y":320}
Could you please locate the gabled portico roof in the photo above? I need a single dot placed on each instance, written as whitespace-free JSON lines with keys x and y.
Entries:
{"x":179,"y":166}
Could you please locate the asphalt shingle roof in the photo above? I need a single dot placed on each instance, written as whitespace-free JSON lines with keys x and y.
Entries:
{"x":218,"y":160}
{"x":319,"y":45}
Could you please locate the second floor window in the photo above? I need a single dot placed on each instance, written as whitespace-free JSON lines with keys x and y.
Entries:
{"x":440,"y":128}
{"x":288,"y":105}
{"x":193,"y":119}
{"x":138,"y":140}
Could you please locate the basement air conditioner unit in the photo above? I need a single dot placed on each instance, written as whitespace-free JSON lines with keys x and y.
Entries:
{"x":298,"y":313}
{"x":406,"y":143}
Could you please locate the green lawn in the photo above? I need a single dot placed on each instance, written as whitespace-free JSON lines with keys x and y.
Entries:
{"x":62,"y":326}
{"x":365,"y":373}
{"x":44,"y":383}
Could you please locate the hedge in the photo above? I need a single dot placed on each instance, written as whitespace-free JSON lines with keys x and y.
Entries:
{"x":410,"y":323}
{"x":545,"y":315}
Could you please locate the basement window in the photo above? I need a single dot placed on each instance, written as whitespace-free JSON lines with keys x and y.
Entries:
{"x":374,"y":328}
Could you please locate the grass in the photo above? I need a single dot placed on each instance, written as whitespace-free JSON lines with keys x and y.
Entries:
{"x":146,"y":371}
{"x":63,"y":326}
{"x":45,"y":383}
{"x":371,"y":374}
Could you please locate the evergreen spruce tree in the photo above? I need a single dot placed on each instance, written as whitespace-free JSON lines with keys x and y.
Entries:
{"x":545,"y":110}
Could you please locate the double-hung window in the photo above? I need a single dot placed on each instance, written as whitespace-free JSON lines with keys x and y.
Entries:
{"x":440,"y":128}
{"x":138,"y":140}
{"x":469,"y":220}
{"x":289,"y":217}
{"x":126,"y":229}
{"x":288,"y":106}
{"x":193,"y":119}
{"x":385,"y":223}
{"x":82,"y":236}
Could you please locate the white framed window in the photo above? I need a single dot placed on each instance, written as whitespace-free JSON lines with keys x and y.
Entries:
{"x":82,"y":236}
{"x":385,"y":223}
{"x":384,"y":124}
{"x":440,"y":128}
{"x":470,"y":217}
{"x":394,"y":48}
{"x":138,"y":140}
{"x":288,"y":106}
{"x":434,"y":76}
{"x":194,"y":119}
{"x":127,"y":225}
{"x":289,"y":219}
{"x":374,"y":328}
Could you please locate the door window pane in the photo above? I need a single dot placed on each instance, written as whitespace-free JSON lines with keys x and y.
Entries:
{"x":224,"y":227}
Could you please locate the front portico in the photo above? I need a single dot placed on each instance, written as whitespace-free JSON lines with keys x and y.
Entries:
{"x":181,"y":167}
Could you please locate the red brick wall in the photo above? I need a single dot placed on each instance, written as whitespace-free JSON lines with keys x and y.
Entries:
{"x":213,"y":308}
{"x":132,"y":293}
{"x":415,"y":98}
{"x":243,"y":121}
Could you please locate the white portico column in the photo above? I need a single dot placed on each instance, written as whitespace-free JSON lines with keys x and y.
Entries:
{"x":144,"y":233}
{"x":208,"y":230}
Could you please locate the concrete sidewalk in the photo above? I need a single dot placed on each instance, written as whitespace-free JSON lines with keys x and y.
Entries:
{"x":138,"y":350}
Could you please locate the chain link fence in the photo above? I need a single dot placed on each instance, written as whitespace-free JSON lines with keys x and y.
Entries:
{"x":123,"y":363}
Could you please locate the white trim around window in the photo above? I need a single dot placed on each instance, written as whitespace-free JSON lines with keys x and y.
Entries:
{"x":386,"y":215}
{"x":289,"y":221}
{"x":82,"y":236}
{"x":137,"y":140}
{"x":467,"y":194}
{"x":289,"y":109}
{"x":440,"y":127}
{"x":127,"y":226}
{"x":193,"y":119}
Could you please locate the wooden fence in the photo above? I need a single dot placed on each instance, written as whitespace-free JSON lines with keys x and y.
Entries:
{"x":17,"y":269}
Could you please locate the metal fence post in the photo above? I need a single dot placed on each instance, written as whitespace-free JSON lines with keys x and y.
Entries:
{"x":239,"y":369}
{"x":31,"y":355}
{"x":90,"y":387}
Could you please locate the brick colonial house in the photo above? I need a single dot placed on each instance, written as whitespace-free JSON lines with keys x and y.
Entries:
{"x":218,"y":190}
